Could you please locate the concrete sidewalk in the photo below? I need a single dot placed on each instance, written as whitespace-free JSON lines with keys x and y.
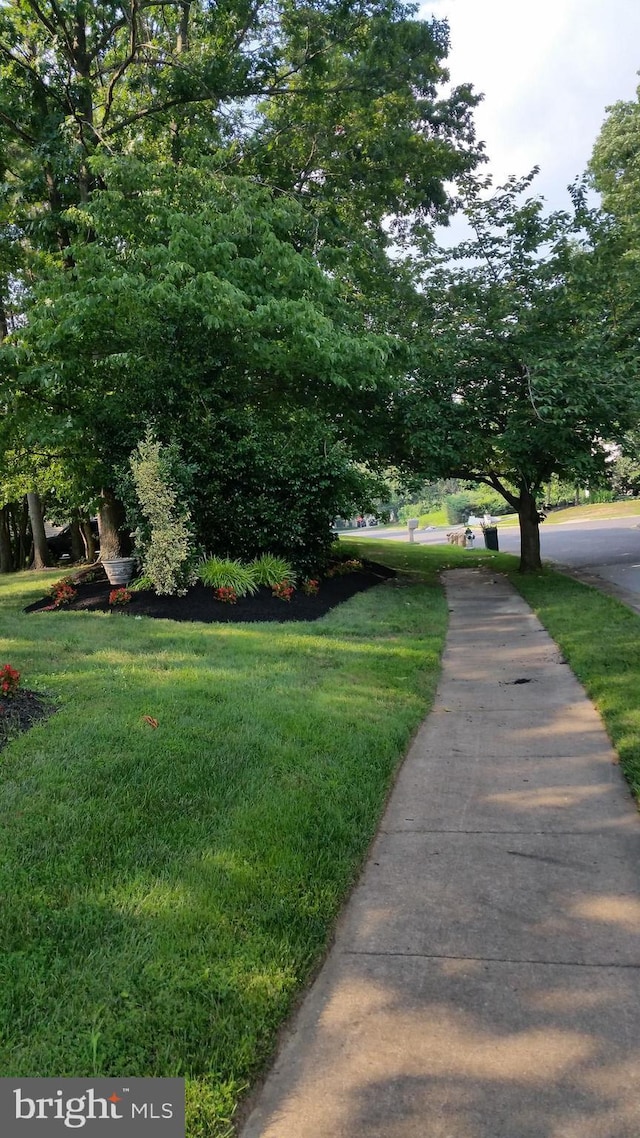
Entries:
{"x":485,"y":978}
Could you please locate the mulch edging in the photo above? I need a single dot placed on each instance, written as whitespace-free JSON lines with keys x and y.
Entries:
{"x":199,"y":603}
{"x":21,"y":711}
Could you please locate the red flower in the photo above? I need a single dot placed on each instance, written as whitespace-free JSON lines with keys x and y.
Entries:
{"x":283,"y":590}
{"x":62,"y":592}
{"x":119,"y":597}
{"x":9,"y":679}
{"x":226,"y":594}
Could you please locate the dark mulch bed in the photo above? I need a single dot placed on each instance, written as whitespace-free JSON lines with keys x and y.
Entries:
{"x":199,"y":603}
{"x":21,"y":711}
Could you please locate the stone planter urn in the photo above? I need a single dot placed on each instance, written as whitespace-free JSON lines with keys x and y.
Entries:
{"x":119,"y":570}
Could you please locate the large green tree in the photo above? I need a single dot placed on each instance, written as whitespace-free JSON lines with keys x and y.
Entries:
{"x":198,"y":307}
{"x":615,"y":172}
{"x":615,"y":165}
{"x":519,"y":369}
{"x":334,"y":104}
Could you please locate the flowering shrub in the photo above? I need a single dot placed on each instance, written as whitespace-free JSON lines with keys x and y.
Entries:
{"x":9,"y":680}
{"x":226,"y":594}
{"x":310,"y":587}
{"x":119,"y":597}
{"x":339,"y":568}
{"x":62,"y":593}
{"x":283,"y":590}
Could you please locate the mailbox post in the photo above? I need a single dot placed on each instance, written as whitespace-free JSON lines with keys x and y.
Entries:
{"x":412,"y":525}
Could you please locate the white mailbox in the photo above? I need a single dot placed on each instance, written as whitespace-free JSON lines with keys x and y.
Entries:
{"x":412,"y":525}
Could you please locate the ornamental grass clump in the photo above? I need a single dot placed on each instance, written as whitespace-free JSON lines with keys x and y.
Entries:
{"x":140,"y":585}
{"x":270,"y":570}
{"x":225,"y":573}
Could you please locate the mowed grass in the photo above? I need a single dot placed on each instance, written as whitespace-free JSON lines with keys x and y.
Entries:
{"x":587,"y":513}
{"x":167,"y":891}
{"x":425,"y":562}
{"x":600,"y":639}
{"x":596,"y":510}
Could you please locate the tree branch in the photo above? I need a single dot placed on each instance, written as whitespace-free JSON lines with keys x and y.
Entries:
{"x":44,"y":20}
{"x":506,"y":494}
{"x":242,"y":34}
{"x":126,"y":63}
{"x":17,"y":130}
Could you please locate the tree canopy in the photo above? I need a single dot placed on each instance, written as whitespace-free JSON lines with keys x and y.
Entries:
{"x":197,"y":307}
{"x":194,"y":227}
{"x":518,"y":371}
{"x":216,"y":222}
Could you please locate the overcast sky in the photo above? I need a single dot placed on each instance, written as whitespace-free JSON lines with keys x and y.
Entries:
{"x":548,"y":69}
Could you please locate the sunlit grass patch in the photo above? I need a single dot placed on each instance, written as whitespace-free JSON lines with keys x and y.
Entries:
{"x":170,"y":888}
{"x":178,"y":840}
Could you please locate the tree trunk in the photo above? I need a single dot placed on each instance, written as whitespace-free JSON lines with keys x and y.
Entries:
{"x":6,"y":552}
{"x":77,"y":544}
{"x":86,"y":534}
{"x":41,"y":557}
{"x":114,"y":542}
{"x":530,"y":561}
{"x":18,"y":528}
{"x":182,"y":45}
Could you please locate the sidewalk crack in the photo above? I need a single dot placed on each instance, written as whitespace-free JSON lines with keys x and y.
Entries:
{"x":488,"y":959}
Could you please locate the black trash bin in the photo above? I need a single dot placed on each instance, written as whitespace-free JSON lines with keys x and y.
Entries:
{"x":491,"y":538}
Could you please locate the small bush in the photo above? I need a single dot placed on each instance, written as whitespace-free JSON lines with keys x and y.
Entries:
{"x":165,"y":544}
{"x":270,"y":570}
{"x":225,"y":594}
{"x":9,"y":680}
{"x":119,"y":597}
{"x":341,"y":568}
{"x":224,"y":573}
{"x":62,"y":593}
{"x":283,"y":590}
{"x":310,"y":587}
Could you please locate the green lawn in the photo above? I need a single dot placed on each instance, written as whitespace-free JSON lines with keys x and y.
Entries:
{"x":587,"y":513}
{"x":168,"y":892}
{"x":600,"y":639}
{"x":630,"y":507}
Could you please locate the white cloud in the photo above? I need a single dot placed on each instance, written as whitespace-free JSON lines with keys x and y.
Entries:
{"x":548,"y":69}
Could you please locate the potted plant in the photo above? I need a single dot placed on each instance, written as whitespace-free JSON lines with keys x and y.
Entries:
{"x":119,"y":570}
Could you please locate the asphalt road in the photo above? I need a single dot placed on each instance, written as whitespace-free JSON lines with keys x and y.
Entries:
{"x":605,"y":550}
